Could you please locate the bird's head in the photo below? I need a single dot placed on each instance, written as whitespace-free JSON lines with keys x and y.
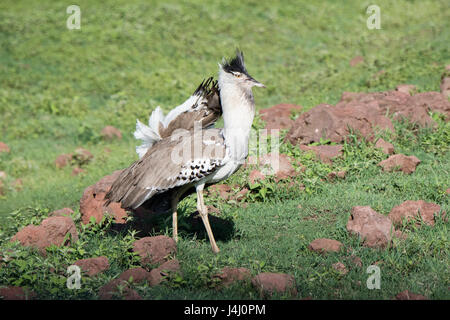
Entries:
{"x":233,"y":71}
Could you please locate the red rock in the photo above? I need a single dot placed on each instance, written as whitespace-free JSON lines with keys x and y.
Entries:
{"x":407,"y":164}
{"x":406,"y":88}
{"x":93,"y":266}
{"x":16,"y":293}
{"x":399,"y":104}
{"x":110,"y":133}
{"x":172,"y":265}
{"x":357,"y":261}
{"x":57,"y":228}
{"x":333,"y":122}
{"x":212,"y":209}
{"x":374,"y":229}
{"x":32,"y":235}
{"x":325,"y":153}
{"x":279,"y":116}
{"x":356,"y":61}
{"x":93,"y":200}
{"x":61,"y":212}
{"x":340,"y":267}
{"x":4,"y":147}
{"x":447,"y":191}
{"x":51,"y":231}
{"x":268,"y":283}
{"x":278,"y":165}
{"x":154,"y":250}
{"x":121,"y":287}
{"x":223,"y":190}
{"x":241,"y":194}
{"x":118,"y":289}
{"x":341,"y":174}
{"x":430,"y":101}
{"x":136,"y":275}
{"x":230,"y":275}
{"x":412,"y":209}
{"x":325,"y":245}
{"x":76,"y":171}
{"x":255,"y":176}
{"x":159,"y":274}
{"x":406,"y":295}
{"x":386,"y":147}
{"x":63,"y":160}
{"x":393,"y":100}
{"x":82,"y":156}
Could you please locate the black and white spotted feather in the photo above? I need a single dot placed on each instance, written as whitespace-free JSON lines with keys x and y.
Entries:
{"x":161,"y":170}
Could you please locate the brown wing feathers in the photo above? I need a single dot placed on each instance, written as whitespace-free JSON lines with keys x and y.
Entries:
{"x":157,"y":172}
{"x":208,"y":112}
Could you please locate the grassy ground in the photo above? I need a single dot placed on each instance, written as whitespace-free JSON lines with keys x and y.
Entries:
{"x":59,"y":88}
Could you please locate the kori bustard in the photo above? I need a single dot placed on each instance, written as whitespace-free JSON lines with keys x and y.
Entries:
{"x":189,"y":160}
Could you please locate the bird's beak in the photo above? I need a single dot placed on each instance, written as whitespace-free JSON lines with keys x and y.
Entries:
{"x":257,"y":83}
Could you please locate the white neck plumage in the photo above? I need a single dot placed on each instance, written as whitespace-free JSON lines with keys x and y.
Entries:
{"x":238,"y":112}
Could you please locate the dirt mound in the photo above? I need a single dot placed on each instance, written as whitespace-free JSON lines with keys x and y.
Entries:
{"x":335,"y":122}
{"x":93,"y":200}
{"x":4,"y":147}
{"x":52,"y":231}
{"x":154,"y":250}
{"x":111,"y":133}
{"x":366,"y":113}
{"x":325,"y":245}
{"x":268,"y":283}
{"x":406,"y":164}
{"x":93,"y":266}
{"x":230,"y":275}
{"x":374,"y":229}
{"x":279,"y":116}
{"x":414,"y":209}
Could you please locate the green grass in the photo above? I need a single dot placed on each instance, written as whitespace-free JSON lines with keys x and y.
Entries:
{"x":59,"y":88}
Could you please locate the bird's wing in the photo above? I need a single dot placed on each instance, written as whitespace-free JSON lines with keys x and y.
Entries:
{"x":173,"y":162}
{"x":202,"y":106}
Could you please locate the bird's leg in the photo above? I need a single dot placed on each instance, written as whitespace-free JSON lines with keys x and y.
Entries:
{"x":174,"y":219}
{"x":203,"y":210}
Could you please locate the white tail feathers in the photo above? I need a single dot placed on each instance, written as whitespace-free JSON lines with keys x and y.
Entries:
{"x":151,"y":134}
{"x":148,"y":134}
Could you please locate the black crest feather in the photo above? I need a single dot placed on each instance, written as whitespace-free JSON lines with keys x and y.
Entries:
{"x":205,"y":88}
{"x":236,"y":64}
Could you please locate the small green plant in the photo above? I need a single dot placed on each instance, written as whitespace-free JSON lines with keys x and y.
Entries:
{"x":261,"y":190}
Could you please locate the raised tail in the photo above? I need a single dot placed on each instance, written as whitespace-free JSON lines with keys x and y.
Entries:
{"x":203,"y":105}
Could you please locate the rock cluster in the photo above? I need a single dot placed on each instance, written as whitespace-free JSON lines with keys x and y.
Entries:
{"x":52,"y":231}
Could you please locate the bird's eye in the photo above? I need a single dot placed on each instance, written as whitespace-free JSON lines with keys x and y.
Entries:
{"x":237,"y":74}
